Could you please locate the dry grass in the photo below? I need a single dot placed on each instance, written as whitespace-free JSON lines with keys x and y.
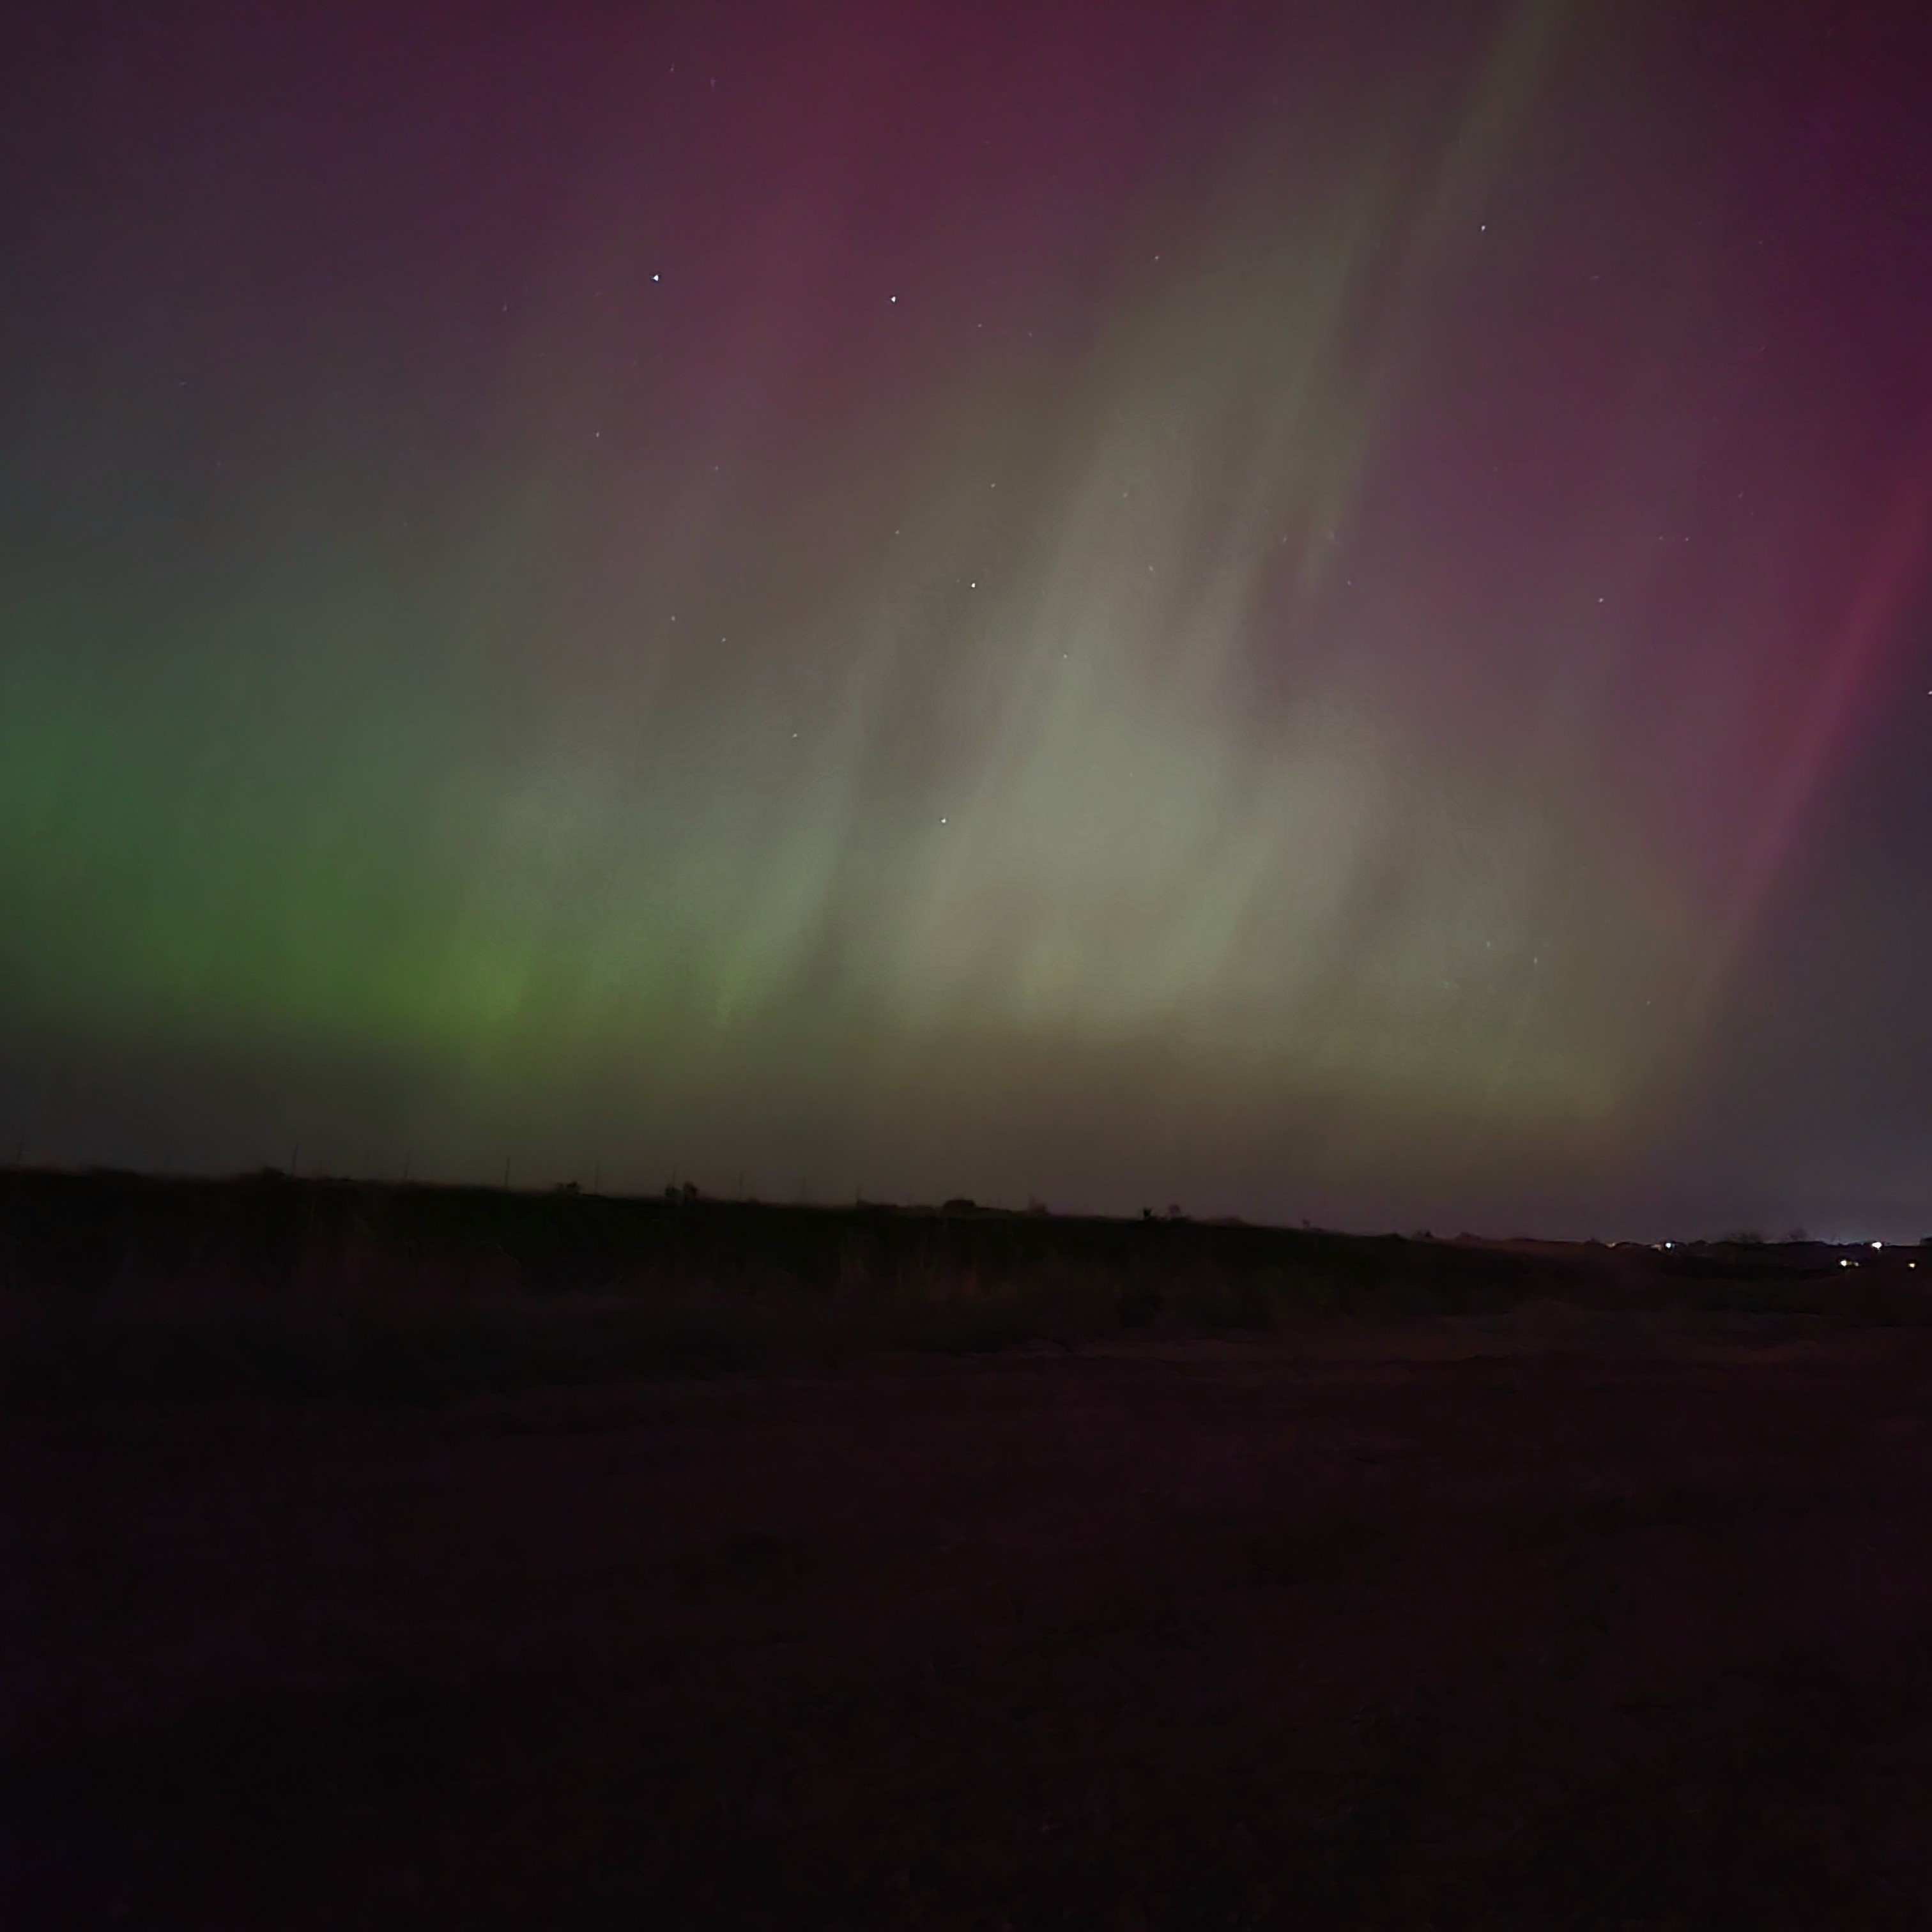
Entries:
{"x":400,"y":1337}
{"x":121,"y":1287}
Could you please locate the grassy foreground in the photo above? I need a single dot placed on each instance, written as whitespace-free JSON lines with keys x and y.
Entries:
{"x":115,"y":1285}
{"x":1460,"y":1585}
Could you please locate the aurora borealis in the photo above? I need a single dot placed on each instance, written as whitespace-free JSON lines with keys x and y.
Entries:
{"x":1312,"y":611}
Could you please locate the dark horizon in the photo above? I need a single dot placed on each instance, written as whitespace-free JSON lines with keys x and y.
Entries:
{"x":679,"y":1190}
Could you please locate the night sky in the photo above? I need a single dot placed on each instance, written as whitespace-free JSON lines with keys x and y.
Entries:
{"x":1311,"y":611}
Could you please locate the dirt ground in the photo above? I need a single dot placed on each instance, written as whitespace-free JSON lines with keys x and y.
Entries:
{"x":1552,"y":1620}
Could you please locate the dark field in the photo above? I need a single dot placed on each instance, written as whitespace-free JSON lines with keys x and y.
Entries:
{"x":1271,"y":1579}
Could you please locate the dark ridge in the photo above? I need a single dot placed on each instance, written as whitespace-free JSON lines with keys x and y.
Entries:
{"x":114,"y":1283}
